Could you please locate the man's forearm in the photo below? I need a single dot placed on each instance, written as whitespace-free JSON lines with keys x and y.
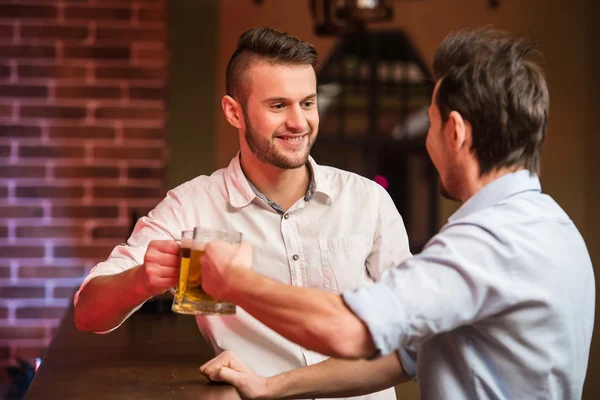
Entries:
{"x":315,"y":319}
{"x":106,"y":300}
{"x":337,"y":378}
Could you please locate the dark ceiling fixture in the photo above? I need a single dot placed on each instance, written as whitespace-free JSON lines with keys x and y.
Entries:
{"x":340,"y":17}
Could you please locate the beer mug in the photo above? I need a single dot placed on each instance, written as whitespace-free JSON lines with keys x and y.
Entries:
{"x":189,"y":298}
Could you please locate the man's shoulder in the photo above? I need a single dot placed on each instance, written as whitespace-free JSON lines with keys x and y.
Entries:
{"x":341,"y":178}
{"x":202,"y":183}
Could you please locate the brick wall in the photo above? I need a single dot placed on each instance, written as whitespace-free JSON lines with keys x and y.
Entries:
{"x":82,"y":145}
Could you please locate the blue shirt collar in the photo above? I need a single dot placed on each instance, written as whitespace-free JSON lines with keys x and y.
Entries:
{"x":497,"y":190}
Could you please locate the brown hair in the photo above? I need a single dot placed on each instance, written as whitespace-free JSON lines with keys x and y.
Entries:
{"x":488,"y":77}
{"x":264,"y":44}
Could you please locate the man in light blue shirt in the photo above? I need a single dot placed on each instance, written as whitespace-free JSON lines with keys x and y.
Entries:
{"x":498,"y":305}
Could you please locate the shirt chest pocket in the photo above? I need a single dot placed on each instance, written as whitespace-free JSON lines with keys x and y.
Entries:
{"x":343,"y":262}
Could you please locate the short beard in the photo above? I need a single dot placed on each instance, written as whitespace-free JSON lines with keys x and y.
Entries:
{"x":266,"y":151}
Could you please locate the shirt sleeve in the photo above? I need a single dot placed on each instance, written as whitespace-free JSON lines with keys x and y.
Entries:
{"x":164,"y":222}
{"x":390,"y":242}
{"x":461,"y":276}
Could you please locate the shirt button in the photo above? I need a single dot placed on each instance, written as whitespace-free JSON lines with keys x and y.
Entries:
{"x":295,"y":257}
{"x":286,"y":215}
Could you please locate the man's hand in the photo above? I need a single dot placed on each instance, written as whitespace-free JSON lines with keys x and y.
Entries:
{"x":227,"y":367}
{"x":219,"y":264}
{"x":160,"y":270}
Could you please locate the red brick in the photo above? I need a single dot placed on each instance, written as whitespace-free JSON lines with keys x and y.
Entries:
{"x":54,"y":32}
{"x":112,"y":53}
{"x":101,"y":232}
{"x":131,"y":73}
{"x":86,"y":172}
{"x":146,"y":173}
{"x":51,"y":71}
{"x":51,"y":272}
{"x":144,"y":133}
{"x":6,"y":110}
{"x":27,"y":11}
{"x":22,"y":332}
{"x":46,"y":192}
{"x":53,"y":112}
{"x":130,"y":113}
{"x":40,"y":312}
{"x":3,"y":192}
{"x":82,"y":251}
{"x":21,"y":292}
{"x":98,"y":13}
{"x":21,"y":212}
{"x":103,"y":192}
{"x":6,"y":31}
{"x":93,"y":92}
{"x":23,"y":91}
{"x":21,"y":251}
{"x":51,"y":152}
{"x":147,"y":93}
{"x":82,"y":132}
{"x":44,"y":231}
{"x":84,"y":212}
{"x":151,"y":15}
{"x":4,"y":352}
{"x":4,"y":151}
{"x":22,"y":171}
{"x":65,"y":292}
{"x":4,"y":272}
{"x":3,"y":312}
{"x":3,"y":231}
{"x":151,"y":54}
{"x":128,"y":153}
{"x":131,"y":34}
{"x":28,"y":51}
{"x":19,"y":131}
{"x":4,"y":71}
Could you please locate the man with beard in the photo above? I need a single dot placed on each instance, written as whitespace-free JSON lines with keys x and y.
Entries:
{"x":498,"y":305}
{"x":312,"y":226}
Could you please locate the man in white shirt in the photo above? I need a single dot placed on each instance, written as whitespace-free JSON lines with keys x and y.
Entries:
{"x":312,"y":226}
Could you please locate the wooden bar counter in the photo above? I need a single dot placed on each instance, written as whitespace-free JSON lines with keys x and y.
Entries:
{"x":151,"y":356}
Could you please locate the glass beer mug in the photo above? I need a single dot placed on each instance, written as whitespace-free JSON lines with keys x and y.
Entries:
{"x":189,"y":298}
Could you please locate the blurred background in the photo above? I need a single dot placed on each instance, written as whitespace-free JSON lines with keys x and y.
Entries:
{"x":104,"y":105}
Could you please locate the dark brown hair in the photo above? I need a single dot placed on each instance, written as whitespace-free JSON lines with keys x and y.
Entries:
{"x":264,"y":44}
{"x":487,"y":76}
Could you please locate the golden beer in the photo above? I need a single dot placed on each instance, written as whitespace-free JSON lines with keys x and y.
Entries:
{"x":189,"y":297}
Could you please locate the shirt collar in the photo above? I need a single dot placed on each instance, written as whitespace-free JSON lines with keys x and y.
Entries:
{"x":241,"y":192}
{"x":495,"y":191}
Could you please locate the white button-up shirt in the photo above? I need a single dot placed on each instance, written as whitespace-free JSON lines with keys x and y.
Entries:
{"x":347,"y":233}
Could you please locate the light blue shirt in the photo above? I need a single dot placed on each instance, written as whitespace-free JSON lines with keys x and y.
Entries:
{"x":498,"y":305}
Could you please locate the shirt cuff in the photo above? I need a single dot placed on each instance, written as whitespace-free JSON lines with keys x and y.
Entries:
{"x":409,"y":362}
{"x":376,"y":306}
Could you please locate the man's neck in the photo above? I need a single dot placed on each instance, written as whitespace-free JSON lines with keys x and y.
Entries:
{"x":282,"y":186}
{"x":479,"y":182}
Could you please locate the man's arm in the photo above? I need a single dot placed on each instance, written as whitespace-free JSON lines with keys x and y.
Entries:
{"x":315,"y":319}
{"x":105,"y":301}
{"x":330,"y":378}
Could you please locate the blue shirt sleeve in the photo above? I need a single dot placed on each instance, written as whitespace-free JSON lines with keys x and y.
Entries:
{"x":460,"y":276}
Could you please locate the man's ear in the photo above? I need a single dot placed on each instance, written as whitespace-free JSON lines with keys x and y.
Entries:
{"x":233,"y":111}
{"x":457,"y":131}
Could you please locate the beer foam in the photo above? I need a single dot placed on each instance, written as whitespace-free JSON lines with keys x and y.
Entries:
{"x":197,"y":245}
{"x":186,"y":243}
